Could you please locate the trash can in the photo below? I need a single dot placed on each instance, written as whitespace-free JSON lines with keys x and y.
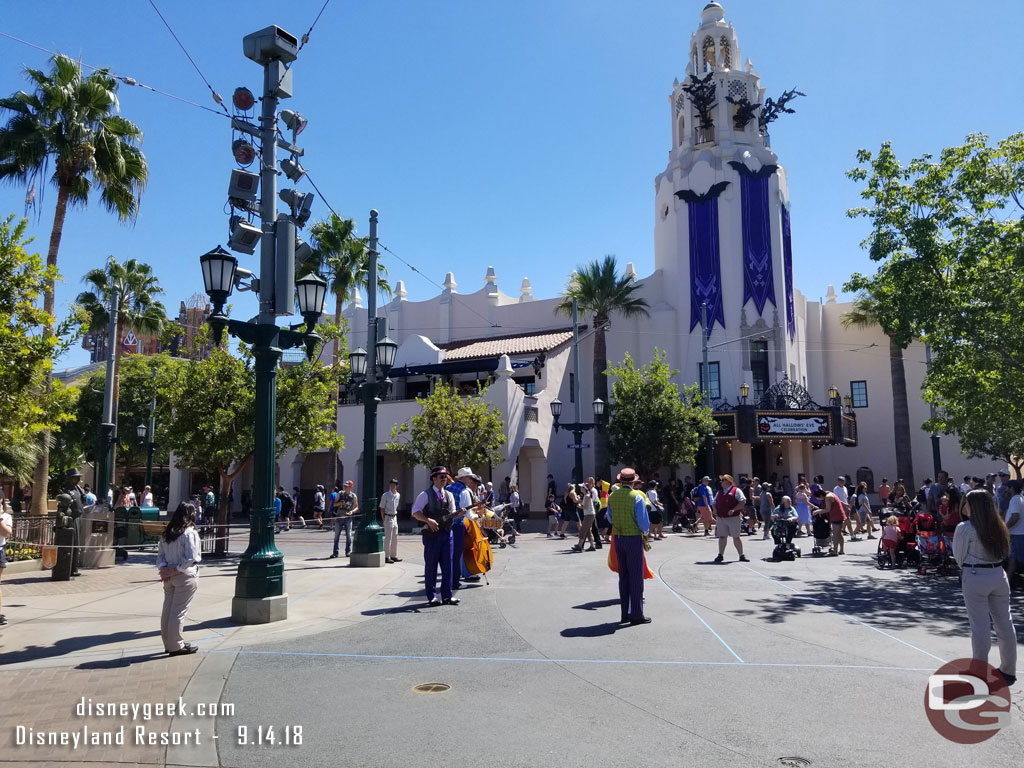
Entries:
{"x":149,"y":523}
{"x":96,"y":537}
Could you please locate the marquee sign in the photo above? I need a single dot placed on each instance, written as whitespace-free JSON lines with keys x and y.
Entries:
{"x":794,"y":425}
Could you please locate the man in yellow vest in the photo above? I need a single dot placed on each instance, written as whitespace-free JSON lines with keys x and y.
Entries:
{"x":627,"y":513}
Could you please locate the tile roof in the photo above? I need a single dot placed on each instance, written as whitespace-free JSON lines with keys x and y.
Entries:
{"x":518,"y":344}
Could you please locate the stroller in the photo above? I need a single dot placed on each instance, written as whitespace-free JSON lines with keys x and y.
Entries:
{"x":686,"y":517}
{"x":501,"y":531}
{"x":785,"y":549}
{"x":907,"y":549}
{"x":822,"y":532}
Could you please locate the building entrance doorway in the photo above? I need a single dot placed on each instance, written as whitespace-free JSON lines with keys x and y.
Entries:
{"x":759,"y":460}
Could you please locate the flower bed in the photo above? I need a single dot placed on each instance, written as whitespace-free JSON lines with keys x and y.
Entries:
{"x":16,"y":551}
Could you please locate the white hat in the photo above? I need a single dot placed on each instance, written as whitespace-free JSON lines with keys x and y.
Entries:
{"x":464,"y":472}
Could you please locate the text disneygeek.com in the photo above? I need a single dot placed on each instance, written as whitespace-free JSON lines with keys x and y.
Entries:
{"x":123,"y":733}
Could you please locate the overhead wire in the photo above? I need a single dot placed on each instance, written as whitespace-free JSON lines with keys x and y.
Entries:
{"x":126,"y":79}
{"x":216,"y":96}
{"x":305,"y":37}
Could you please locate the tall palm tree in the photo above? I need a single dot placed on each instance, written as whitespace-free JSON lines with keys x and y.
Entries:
{"x":345,"y":261}
{"x":866,"y":313}
{"x":600,"y":291}
{"x":70,"y":121}
{"x":137,"y":307}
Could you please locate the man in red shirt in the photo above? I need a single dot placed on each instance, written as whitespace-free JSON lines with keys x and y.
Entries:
{"x":729,"y":506}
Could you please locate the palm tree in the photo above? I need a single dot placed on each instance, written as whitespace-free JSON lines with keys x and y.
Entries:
{"x":866,"y":313}
{"x":345,"y":261}
{"x":71,"y":121}
{"x":600,"y":291}
{"x":137,"y":308}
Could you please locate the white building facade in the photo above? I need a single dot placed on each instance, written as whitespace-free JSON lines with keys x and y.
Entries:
{"x":721,"y":240}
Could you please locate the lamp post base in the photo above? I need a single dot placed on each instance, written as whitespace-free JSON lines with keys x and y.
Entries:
{"x":259,"y":610}
{"x":367,"y":560}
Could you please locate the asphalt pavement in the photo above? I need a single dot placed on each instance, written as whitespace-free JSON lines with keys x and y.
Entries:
{"x":819,"y":661}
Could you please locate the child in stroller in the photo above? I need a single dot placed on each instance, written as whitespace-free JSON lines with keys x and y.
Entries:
{"x":821,"y":529}
{"x":930,"y":546}
{"x":686,"y":517}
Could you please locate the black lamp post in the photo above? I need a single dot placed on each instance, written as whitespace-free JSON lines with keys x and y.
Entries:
{"x":833,"y":396}
{"x":259,"y":586}
{"x":744,"y":392}
{"x":578,"y":428}
{"x":143,"y":431}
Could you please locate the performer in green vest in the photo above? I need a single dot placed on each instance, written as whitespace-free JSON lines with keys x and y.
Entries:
{"x":627,"y":513}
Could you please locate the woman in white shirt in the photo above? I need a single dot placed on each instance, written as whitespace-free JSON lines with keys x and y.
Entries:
{"x":178,"y":556}
{"x":980,"y":544}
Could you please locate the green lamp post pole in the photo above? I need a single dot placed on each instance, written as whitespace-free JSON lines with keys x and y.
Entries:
{"x":259,"y":586}
{"x":368,"y":548}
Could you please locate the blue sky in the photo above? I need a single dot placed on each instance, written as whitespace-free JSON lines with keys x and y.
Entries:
{"x":523,"y":135}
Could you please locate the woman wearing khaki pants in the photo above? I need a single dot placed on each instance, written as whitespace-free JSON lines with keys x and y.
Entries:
{"x":178,"y":557}
{"x":980,"y":544}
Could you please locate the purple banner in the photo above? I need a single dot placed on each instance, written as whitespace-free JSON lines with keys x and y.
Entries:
{"x":758,"y":280}
{"x":705,"y":264}
{"x":787,"y":265}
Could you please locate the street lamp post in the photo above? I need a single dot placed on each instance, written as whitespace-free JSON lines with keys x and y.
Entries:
{"x":577,"y":427}
{"x":143,"y":432}
{"x":369,"y":369}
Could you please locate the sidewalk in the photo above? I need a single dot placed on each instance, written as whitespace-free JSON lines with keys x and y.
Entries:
{"x":97,"y":637}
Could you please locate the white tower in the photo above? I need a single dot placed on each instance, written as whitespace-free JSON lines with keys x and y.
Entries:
{"x":721,"y":208}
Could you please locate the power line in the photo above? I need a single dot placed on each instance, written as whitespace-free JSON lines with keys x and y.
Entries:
{"x":216,"y":96}
{"x":126,"y":79}
{"x":305,"y":37}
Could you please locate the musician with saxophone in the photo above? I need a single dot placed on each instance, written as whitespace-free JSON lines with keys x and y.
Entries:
{"x":435,"y":508}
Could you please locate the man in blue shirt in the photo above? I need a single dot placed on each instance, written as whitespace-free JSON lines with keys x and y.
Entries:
{"x":705,"y":504}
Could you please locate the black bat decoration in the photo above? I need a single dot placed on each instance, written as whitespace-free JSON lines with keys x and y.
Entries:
{"x":689,"y":196}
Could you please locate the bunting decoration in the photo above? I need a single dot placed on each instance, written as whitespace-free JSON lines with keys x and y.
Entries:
{"x":705,"y":263}
{"x":758,"y":277}
{"x":787,"y":262}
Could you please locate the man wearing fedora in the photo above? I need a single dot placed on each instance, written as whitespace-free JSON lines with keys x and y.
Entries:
{"x":435,"y":508}
{"x":729,"y":506}
{"x":73,"y":488}
{"x":627,"y":513}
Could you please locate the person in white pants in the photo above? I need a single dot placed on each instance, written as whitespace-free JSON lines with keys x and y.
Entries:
{"x":980,"y":545}
{"x":389,"y":501}
{"x":178,"y":556}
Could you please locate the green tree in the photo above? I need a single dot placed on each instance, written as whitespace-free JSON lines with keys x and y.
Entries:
{"x":601,"y":292}
{"x":70,"y":121}
{"x":137,"y":307}
{"x":450,"y":430}
{"x":344,"y":259}
{"x":949,"y":238}
{"x":653,"y":424}
{"x":868,"y":312}
{"x":28,"y":406}
{"x":206,"y":415}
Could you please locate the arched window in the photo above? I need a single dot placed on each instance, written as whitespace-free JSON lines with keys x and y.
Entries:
{"x":726,"y":57}
{"x":681,"y":128}
{"x":709,"y":53}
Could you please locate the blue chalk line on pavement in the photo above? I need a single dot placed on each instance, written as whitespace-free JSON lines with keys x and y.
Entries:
{"x":845,"y":615}
{"x":700,"y":618}
{"x":647,"y":662}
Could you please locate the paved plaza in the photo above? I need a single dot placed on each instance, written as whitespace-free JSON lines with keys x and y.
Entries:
{"x":745,"y":664}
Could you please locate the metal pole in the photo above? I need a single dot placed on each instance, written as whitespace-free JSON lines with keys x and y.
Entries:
{"x":936,"y":452}
{"x":152,"y":435}
{"x":577,"y":433}
{"x":370,"y":536}
{"x":705,"y":386}
{"x":105,"y":449}
{"x":261,"y":568}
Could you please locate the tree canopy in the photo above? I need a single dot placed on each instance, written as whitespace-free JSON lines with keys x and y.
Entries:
{"x":652,"y":423}
{"x":948,"y":235}
{"x":451,"y":431}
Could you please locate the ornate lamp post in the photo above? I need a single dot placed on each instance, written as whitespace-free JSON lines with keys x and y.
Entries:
{"x":143,"y":432}
{"x":259,"y":587}
{"x":833,"y":396}
{"x":744,"y":392}
{"x":578,"y":428}
{"x":369,"y":369}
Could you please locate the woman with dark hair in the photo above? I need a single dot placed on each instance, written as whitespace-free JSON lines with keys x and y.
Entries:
{"x":178,"y":556}
{"x":833,"y":510}
{"x":980,"y":544}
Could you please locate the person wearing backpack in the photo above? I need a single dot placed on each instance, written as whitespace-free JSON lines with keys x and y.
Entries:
{"x":729,"y":506}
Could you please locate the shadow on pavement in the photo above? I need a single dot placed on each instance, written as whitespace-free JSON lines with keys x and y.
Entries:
{"x":595,"y":630}
{"x":124,"y":661}
{"x":72,"y":644}
{"x":595,"y":604}
{"x":407,"y":608}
